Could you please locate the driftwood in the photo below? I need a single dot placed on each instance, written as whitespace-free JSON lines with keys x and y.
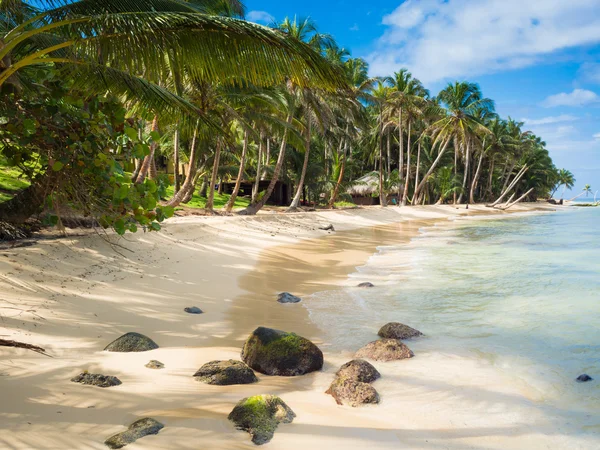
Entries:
{"x":16,"y":344}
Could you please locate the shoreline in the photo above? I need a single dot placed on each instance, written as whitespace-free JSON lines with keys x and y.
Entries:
{"x":95,"y":296}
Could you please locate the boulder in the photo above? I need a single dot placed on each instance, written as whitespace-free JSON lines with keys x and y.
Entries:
{"x":286,"y":297}
{"x":275,"y":352}
{"x":260,"y":415}
{"x":136,"y":430}
{"x":358,"y":370}
{"x":154,"y":364}
{"x":328,"y":227}
{"x":385,"y":350}
{"x":225,"y":373}
{"x":193,"y":310}
{"x":131,"y":342}
{"x":96,"y":379}
{"x":583,"y":378}
{"x":351,"y":392}
{"x":395,"y":330}
{"x":366,"y":284}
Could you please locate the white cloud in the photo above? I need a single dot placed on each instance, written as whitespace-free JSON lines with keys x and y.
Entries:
{"x":579,"y":97}
{"x":590,"y":72}
{"x":439,"y":39}
{"x":550,"y":120}
{"x":259,"y":16}
{"x":597,"y":136}
{"x":354,"y":27}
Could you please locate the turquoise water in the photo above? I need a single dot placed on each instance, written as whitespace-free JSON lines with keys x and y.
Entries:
{"x":520,"y":295}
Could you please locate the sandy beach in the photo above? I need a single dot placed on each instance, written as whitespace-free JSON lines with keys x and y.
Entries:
{"x":75,"y":295}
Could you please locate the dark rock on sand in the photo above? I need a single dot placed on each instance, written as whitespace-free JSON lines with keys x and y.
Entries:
{"x":224,"y":373}
{"x":275,"y":352}
{"x":193,"y":310}
{"x":286,"y":297}
{"x":154,"y":364}
{"x":366,"y":284}
{"x":131,"y":342}
{"x":395,"y":330}
{"x":96,"y":379}
{"x":328,"y":227}
{"x":136,"y":430}
{"x":351,"y":392}
{"x":260,"y":415}
{"x":358,"y":370}
{"x":385,"y":350}
{"x":583,"y":378}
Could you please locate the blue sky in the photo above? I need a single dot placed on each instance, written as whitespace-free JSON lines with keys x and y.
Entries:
{"x":538,"y":59}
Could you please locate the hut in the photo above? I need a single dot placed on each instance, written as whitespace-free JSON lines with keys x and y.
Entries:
{"x":365,"y":190}
{"x":281,"y":195}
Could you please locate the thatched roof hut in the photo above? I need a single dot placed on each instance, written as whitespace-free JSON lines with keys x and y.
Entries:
{"x":365,"y":186}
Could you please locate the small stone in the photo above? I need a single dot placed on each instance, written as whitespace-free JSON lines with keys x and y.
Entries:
{"x":583,"y":378}
{"x":131,"y":342}
{"x":260,"y":415}
{"x":96,"y":379}
{"x":138,"y":429}
{"x":286,"y":297}
{"x":193,"y":310}
{"x":351,"y":392}
{"x":366,"y":284}
{"x":328,"y":227}
{"x":359,"y":370}
{"x":385,"y":350}
{"x":225,"y":373}
{"x":154,"y":364}
{"x":396,"y":330}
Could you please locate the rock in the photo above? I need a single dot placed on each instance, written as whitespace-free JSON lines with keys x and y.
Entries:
{"x":131,"y":342}
{"x":347,"y":391}
{"x":260,"y":415}
{"x":96,"y":379}
{"x":583,"y":378}
{"x":193,"y":310}
{"x":286,"y":297}
{"x":561,"y":202}
{"x":328,"y":227}
{"x":385,"y":350}
{"x":136,"y":430}
{"x":154,"y":364}
{"x":552,"y":201}
{"x":395,"y":330}
{"x":275,"y":352}
{"x":359,"y":370}
{"x":366,"y":285}
{"x":224,"y":373}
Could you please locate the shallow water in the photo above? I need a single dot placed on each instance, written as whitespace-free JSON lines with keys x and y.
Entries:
{"x":519,"y":296}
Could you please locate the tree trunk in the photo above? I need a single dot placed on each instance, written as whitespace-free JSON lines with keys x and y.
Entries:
{"x":401,"y":149}
{"x":405,"y":194}
{"x":238,"y":181}
{"x":267,"y":158}
{"x":466,"y":175}
{"x":30,"y":200}
{"x":296,"y":199}
{"x":153,"y":173}
{"x":476,"y":178}
{"x":509,"y":188}
{"x":176,"y":159}
{"x":455,"y":166}
{"x":432,"y":168}
{"x":414,"y":199}
{"x":147,"y":163}
{"x":213,"y":179}
{"x":254,"y":208}
{"x":188,"y":184}
{"x":336,"y":190}
{"x":510,"y":205}
{"x":256,"y":186}
{"x":489,"y":190}
{"x":382,"y":196}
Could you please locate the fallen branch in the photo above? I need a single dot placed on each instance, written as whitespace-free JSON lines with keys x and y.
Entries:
{"x":518,"y":200}
{"x":16,"y":344}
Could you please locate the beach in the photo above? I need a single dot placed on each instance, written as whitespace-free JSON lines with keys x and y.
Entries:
{"x":73,"y":296}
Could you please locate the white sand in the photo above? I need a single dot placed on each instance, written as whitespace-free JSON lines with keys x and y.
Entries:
{"x":73,"y":296}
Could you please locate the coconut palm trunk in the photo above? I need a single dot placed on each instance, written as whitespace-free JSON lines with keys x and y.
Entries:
{"x":401,"y":149}
{"x":432,"y":168}
{"x":414,"y":198}
{"x":511,"y":185}
{"x":238,"y":181}
{"x":336,"y":190}
{"x":188,"y":184}
{"x":256,"y":185}
{"x":466,"y":174}
{"x":296,"y":199}
{"x":476,"y":177}
{"x":405,"y":194}
{"x":210,"y":198}
{"x":148,"y":159}
{"x":176,"y":178}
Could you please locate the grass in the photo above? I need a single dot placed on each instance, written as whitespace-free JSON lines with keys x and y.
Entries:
{"x":343,"y":204}
{"x":219,"y":202}
{"x":10,"y":182}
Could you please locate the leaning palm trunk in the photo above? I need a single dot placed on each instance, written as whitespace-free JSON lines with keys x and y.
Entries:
{"x":510,"y":205}
{"x":238,"y":181}
{"x":405,"y":194}
{"x":401,"y":149}
{"x":188,"y":185}
{"x":466,"y":175}
{"x":476,"y":177}
{"x":256,"y":185}
{"x":511,"y":186}
{"x":254,"y":208}
{"x":382,"y":197}
{"x":148,"y":159}
{"x":414,"y":198}
{"x":213,"y":179}
{"x":336,"y":190}
{"x":431,"y":169}
{"x":176,"y":159}
{"x":296,"y":199}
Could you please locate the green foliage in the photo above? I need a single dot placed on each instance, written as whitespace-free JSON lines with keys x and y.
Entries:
{"x":220,"y":200}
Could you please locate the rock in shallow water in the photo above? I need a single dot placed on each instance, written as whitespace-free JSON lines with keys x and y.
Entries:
{"x":260,"y":415}
{"x":385,"y":350}
{"x":286,"y":297}
{"x":583,"y":378}
{"x":136,"y":430}
{"x":275,"y":352}
{"x":366,"y":284}
{"x":359,"y":370}
{"x":351,"y":392}
{"x":193,"y":310}
{"x":131,"y":342}
{"x":396,"y":330}
{"x":225,"y":373}
{"x":154,"y":364}
{"x":96,"y":379}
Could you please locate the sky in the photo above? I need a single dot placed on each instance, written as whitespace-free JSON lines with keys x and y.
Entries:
{"x":538,"y":59}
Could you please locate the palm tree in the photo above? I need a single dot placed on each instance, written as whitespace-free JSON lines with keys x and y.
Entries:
{"x":565,"y":179}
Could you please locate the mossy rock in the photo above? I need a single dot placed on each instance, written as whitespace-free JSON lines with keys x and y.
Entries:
{"x":385,"y":350}
{"x":136,"y":430}
{"x":359,"y":370}
{"x":154,"y":364}
{"x":225,"y":373}
{"x":260,"y":415}
{"x":348,"y":391}
{"x":286,"y":297}
{"x":275,"y":352}
{"x":96,"y":379}
{"x":131,"y":342}
{"x":396,"y":330}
